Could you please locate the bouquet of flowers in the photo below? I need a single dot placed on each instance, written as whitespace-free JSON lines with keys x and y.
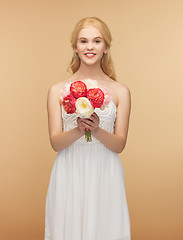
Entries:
{"x":77,"y":98}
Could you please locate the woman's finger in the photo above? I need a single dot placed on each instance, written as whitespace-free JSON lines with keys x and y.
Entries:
{"x":88,"y":122}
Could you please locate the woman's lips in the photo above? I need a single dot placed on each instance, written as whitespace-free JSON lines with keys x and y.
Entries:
{"x":89,"y":55}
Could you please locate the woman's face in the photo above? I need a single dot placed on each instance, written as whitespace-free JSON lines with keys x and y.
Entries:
{"x":90,"y":45}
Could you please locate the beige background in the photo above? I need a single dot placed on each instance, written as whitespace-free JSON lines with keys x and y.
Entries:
{"x":147,"y":51}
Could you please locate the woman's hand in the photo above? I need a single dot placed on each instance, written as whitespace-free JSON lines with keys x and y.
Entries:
{"x":91,"y":123}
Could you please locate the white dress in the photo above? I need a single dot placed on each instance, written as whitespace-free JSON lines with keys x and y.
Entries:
{"x":86,"y":195}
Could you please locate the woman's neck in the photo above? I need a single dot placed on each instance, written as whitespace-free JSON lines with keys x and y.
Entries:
{"x":90,"y":71}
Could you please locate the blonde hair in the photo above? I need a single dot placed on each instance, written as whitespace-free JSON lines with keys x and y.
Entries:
{"x":106,"y":61}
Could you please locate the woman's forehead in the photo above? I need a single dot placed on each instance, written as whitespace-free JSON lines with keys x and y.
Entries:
{"x":89,"y":32}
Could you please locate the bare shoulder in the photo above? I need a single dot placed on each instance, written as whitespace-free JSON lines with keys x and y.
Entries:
{"x":120,"y":87}
{"x":55,"y":89}
{"x":119,"y":91}
{"x":122,"y":90}
{"x":123,"y":94}
{"x":57,"y":86}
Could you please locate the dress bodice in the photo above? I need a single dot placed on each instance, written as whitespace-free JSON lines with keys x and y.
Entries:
{"x":107,"y":120}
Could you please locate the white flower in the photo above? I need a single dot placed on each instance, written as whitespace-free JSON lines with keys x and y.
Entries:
{"x":83,"y":107}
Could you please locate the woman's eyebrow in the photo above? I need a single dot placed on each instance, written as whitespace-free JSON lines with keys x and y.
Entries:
{"x":86,"y":38}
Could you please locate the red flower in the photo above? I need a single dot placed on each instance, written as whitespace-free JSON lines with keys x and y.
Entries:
{"x":69,"y":104}
{"x":78,"y":89}
{"x":96,"y":97}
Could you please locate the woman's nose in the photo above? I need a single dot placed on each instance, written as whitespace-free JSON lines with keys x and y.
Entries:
{"x":89,"y":45}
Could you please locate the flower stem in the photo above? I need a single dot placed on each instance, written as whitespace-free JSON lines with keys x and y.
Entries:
{"x":88,"y":136}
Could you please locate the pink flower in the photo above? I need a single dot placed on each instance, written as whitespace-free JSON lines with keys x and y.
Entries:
{"x":107,"y":97}
{"x":78,"y":89}
{"x":69,"y":104}
{"x":96,"y":97}
{"x":90,"y":83}
{"x":65,"y":91}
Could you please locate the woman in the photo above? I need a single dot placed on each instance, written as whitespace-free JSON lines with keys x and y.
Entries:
{"x":86,"y":195}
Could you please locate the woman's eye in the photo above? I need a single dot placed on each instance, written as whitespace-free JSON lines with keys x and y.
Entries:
{"x":84,"y":41}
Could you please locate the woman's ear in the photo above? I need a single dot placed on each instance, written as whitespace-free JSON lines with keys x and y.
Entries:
{"x":106,"y":50}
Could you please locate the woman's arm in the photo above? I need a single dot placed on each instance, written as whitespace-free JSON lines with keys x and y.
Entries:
{"x":115,"y":141}
{"x":58,"y":139}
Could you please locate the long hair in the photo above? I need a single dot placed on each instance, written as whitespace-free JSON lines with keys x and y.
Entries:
{"x":106,"y":61}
